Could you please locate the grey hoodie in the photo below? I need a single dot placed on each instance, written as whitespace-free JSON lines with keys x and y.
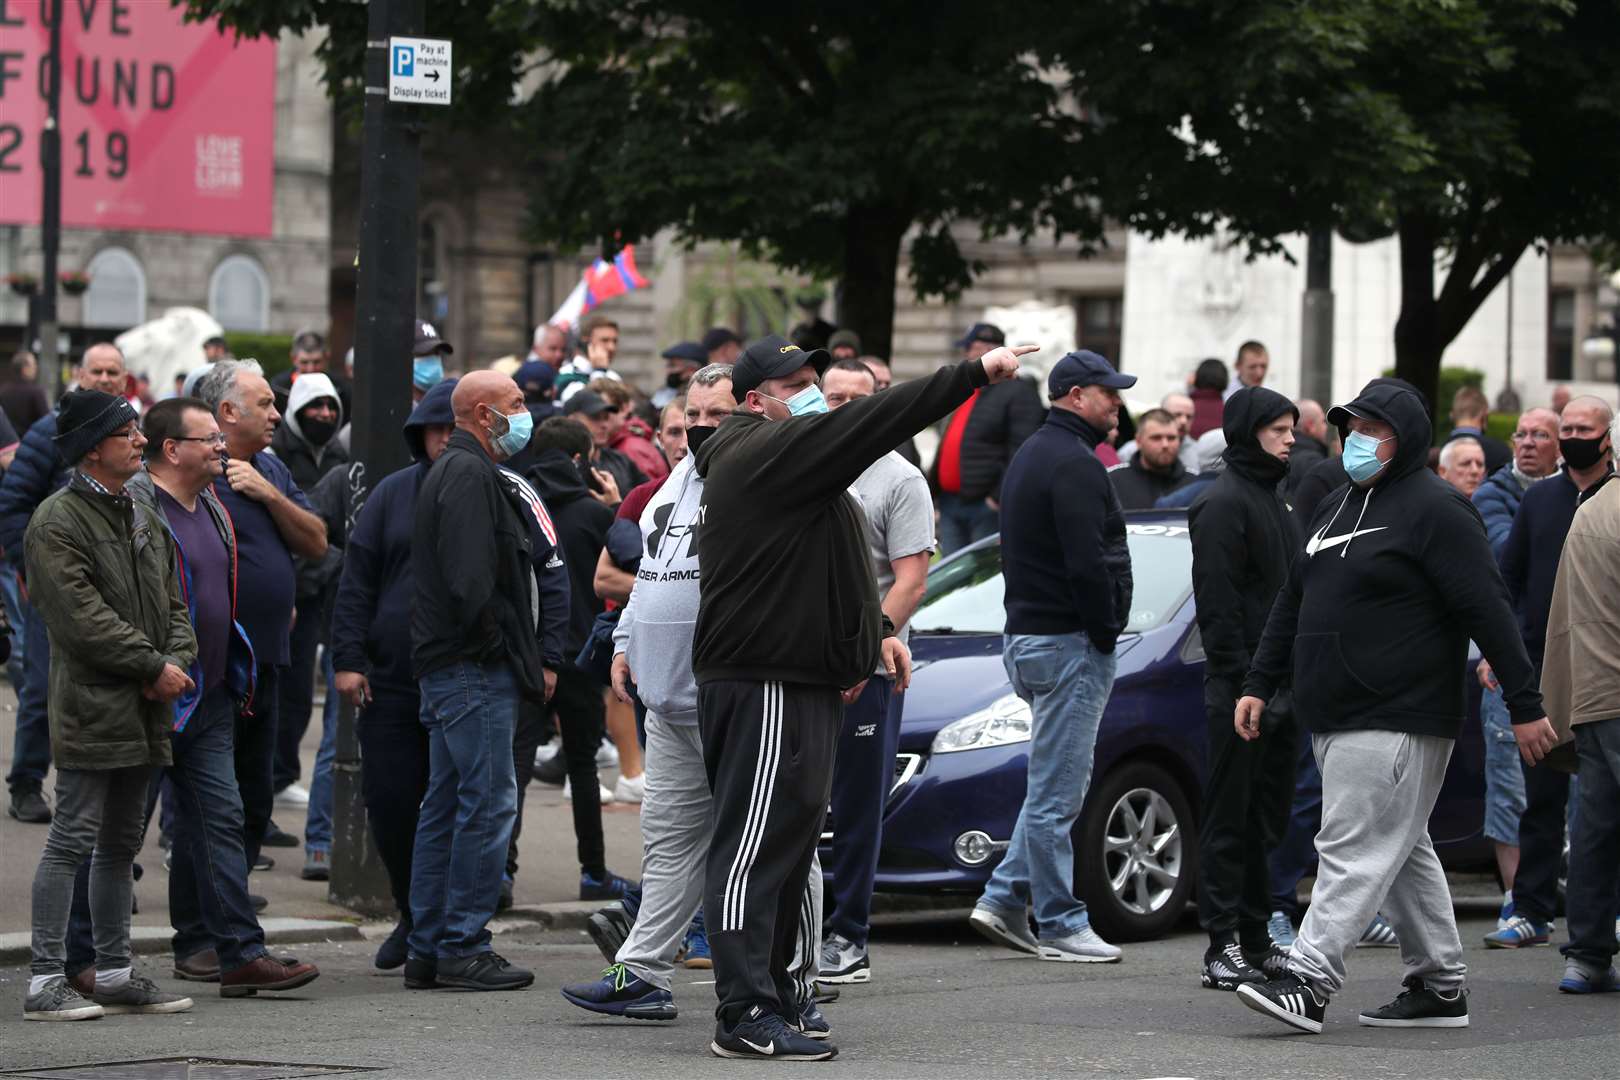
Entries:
{"x":655,"y":631}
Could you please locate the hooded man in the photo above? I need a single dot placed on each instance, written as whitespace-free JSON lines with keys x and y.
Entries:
{"x":1243,"y":536}
{"x":788,"y":619}
{"x":1374,"y":622}
{"x":305,"y":441}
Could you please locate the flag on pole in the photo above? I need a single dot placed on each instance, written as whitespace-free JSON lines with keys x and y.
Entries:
{"x":602,"y":281}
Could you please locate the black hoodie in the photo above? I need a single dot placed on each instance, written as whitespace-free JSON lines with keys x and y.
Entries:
{"x":1390,"y":584}
{"x":582,"y":527}
{"x":1243,"y":538}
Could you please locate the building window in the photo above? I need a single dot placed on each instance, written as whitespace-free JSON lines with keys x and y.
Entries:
{"x":116,"y":298}
{"x":239,"y":294}
{"x":1561,"y":335}
{"x":1099,"y":321}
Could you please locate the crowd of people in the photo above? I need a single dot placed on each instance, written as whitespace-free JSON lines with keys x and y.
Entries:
{"x":711,"y":586}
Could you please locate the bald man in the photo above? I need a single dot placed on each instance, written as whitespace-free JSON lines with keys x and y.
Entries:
{"x":475,"y":654}
{"x":1312,"y":443}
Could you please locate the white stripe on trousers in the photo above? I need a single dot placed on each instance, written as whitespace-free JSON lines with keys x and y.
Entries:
{"x":759,"y":804}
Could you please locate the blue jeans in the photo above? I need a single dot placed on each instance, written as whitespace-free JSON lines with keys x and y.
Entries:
{"x":318,"y":825}
{"x":31,"y":750}
{"x":1066,"y":680}
{"x":1294,"y":856}
{"x":208,"y":893}
{"x":962,"y":521}
{"x":1504,"y":779}
{"x":469,"y":711}
{"x":11,"y":593}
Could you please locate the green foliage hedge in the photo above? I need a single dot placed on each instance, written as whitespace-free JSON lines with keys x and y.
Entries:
{"x":272,"y":351}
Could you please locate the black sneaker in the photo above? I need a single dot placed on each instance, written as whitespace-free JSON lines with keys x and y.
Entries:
{"x":30,"y":808}
{"x":1226,"y":969}
{"x":761,"y":1034}
{"x":395,"y":949}
{"x":421,"y":973}
{"x":1419,"y":1006}
{"x":609,"y":928}
{"x":811,"y":1024}
{"x":276,"y":836}
{"x":825,"y":994}
{"x":621,"y":992}
{"x":483,"y":971}
{"x":1273,"y":962}
{"x":553,"y":770}
{"x":1289,"y":999}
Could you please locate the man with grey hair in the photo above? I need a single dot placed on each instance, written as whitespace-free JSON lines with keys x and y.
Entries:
{"x":1462,"y":464}
{"x":274,"y":523}
{"x":550,"y":345}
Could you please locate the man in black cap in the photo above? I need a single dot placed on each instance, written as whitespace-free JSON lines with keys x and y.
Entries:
{"x":721,"y":345}
{"x":1243,"y":538}
{"x":788,"y":618}
{"x":981,"y":438}
{"x":1068,"y":597}
{"x":681,"y":361}
{"x":427,"y":360}
{"x":101,"y":574}
{"x":597,"y":414}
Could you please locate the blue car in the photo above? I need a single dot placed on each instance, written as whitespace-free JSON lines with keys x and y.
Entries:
{"x":960,"y":773}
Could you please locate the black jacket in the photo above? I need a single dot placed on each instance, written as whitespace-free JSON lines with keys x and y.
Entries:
{"x":1243,"y":538}
{"x":1497,"y":452}
{"x":1529,"y":559}
{"x":1307,"y":454}
{"x":1325,"y":476}
{"x":1064,"y":558}
{"x":582,"y":525}
{"x":1139,"y":487}
{"x":1004,"y":416}
{"x":470,"y":554}
{"x":787,"y":590}
{"x":1384,"y":595}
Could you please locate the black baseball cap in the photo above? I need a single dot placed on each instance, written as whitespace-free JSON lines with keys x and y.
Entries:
{"x":429,"y":342}
{"x":982,"y":331}
{"x":716,"y":337}
{"x":772,"y":357}
{"x":1084,"y":368}
{"x":690,"y":351}
{"x":585,"y":401}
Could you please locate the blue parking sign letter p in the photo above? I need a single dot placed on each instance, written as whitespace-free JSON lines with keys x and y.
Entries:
{"x":404,"y":60}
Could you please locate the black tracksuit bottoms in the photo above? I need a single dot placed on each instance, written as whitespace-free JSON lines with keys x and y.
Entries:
{"x":769,"y":749}
{"x":1247,"y":795}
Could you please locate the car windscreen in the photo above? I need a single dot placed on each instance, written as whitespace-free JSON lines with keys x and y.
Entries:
{"x":965,"y":593}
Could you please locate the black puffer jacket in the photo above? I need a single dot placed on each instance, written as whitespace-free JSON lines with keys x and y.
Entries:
{"x":1003,"y":417}
{"x":1243,"y":538}
{"x":1140,"y":487}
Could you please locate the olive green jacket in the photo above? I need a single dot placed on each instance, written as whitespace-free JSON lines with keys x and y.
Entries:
{"x":101,"y":575}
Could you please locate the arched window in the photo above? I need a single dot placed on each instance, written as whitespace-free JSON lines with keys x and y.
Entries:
{"x":116,"y":298}
{"x":239,"y":294}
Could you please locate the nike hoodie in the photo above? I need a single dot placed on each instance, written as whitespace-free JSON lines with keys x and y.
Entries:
{"x":1391,"y":583}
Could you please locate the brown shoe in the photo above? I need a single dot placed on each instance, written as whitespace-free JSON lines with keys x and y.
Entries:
{"x":265,"y":973}
{"x":198,"y":967}
{"x":84,"y":982}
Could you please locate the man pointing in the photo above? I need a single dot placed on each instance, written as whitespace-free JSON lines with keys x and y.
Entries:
{"x":788,"y":618}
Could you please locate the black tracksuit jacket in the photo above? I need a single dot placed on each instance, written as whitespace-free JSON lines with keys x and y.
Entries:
{"x":1383,"y":596}
{"x":1243,"y":538}
{"x":475,"y":585}
{"x":788,"y":593}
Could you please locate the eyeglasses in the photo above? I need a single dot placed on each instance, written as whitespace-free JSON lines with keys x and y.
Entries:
{"x":216,"y":439}
{"x":1533,"y":436}
{"x":131,"y":433}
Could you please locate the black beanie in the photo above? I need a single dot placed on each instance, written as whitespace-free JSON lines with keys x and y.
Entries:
{"x":85,"y":418}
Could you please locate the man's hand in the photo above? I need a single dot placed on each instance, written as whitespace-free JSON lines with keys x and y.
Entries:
{"x":1536,"y":739}
{"x":354,"y":686}
{"x":897,"y":662}
{"x":170,"y":684}
{"x":992,"y":504}
{"x":609,"y":495}
{"x":1246,"y":719}
{"x":1487,"y":677}
{"x":245,"y":480}
{"x":853,"y":694}
{"x":622,"y":677}
{"x":1001,"y":364}
{"x":549,"y":678}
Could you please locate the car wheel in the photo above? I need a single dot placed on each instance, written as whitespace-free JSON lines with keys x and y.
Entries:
{"x":1136,"y":853}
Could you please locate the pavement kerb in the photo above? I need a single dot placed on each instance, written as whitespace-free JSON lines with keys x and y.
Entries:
{"x":147,"y":940}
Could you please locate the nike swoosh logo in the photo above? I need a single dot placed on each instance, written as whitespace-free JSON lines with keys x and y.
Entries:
{"x":1318,"y":544}
{"x":768,"y":1049}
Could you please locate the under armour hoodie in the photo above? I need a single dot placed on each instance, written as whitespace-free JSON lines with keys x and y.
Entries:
{"x":1391,"y":583}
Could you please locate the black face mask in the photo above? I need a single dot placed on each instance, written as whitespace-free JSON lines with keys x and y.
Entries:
{"x":675,"y":380}
{"x":697,"y":436}
{"x":1581,"y":453}
{"x":318,"y":432}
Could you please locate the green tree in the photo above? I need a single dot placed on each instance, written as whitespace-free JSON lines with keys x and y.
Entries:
{"x":1470,"y":130}
{"x":818,"y":135}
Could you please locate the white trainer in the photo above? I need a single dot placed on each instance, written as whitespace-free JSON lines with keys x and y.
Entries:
{"x":293,"y":795}
{"x":1084,"y":947}
{"x":630,"y":789}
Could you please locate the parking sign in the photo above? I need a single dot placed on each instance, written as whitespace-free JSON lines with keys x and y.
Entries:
{"x":419,"y":71}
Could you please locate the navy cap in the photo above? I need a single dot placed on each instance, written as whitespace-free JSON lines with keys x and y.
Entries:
{"x":982,"y":331}
{"x":1085,"y":368}
{"x":772,"y":357}
{"x":717,"y":337}
{"x":535,"y":373}
{"x":690,"y":351}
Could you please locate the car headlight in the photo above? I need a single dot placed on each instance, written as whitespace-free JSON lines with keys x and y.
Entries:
{"x":1005,"y":721}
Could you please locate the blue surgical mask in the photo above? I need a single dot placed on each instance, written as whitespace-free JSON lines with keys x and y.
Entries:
{"x":427,"y":372}
{"x":519,"y":426}
{"x":805,"y":402}
{"x":1361,"y":456}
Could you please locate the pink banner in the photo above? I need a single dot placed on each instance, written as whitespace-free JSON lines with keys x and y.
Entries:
{"x":166,"y":126}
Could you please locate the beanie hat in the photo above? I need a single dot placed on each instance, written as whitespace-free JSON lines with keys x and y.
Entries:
{"x":85,"y":418}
